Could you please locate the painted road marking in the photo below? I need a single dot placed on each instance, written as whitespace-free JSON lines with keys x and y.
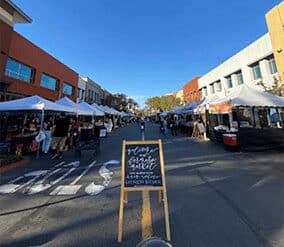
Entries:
{"x":60,"y":164}
{"x":41,"y":186}
{"x":83,"y":173}
{"x":34,"y":186}
{"x":146,"y":216}
{"x":94,"y":189}
{"x":12,"y":188}
{"x":72,"y":188}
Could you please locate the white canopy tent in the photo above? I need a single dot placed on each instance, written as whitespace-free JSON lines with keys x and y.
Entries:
{"x":99,"y":108}
{"x":177,"y":110}
{"x":164,"y":114}
{"x":87,"y":107}
{"x":33,"y":103}
{"x":65,"y":101}
{"x":102,"y":108}
{"x":108,"y":110}
{"x":115,"y":111}
{"x":248,"y":96}
{"x":188,"y":108}
{"x":203,"y":104}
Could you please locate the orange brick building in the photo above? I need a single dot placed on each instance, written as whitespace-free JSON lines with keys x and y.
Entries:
{"x":191,"y":92}
{"x":26,"y":69}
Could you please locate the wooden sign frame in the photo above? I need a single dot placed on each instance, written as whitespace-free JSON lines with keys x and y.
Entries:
{"x":162,"y":190}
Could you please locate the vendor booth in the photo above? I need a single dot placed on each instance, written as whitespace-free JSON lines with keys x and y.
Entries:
{"x":248,"y":118}
{"x":21,"y":120}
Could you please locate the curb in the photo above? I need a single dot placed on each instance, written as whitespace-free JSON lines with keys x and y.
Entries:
{"x":14,"y":165}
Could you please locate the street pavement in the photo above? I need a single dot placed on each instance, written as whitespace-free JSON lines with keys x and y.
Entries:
{"x":216,"y":197}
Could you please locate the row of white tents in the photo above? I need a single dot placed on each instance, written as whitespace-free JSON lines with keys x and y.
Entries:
{"x":37,"y":103}
{"x":244,"y":95}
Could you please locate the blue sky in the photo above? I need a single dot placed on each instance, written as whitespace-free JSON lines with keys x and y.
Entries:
{"x":143,"y":48}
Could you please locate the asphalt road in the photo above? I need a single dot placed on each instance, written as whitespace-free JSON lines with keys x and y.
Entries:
{"x":216,"y":197}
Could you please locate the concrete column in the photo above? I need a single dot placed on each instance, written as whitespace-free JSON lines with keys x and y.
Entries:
{"x":247,"y":75}
{"x":265,"y":72}
{"x":224,"y":86}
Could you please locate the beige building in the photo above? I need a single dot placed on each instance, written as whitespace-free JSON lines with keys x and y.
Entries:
{"x":94,"y":92}
{"x":275,"y":23}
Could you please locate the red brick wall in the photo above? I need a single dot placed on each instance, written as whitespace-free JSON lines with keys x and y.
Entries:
{"x":29,"y":54}
{"x":6,"y":32}
{"x":188,"y":91}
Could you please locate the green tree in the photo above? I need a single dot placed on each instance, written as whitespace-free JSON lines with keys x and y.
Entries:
{"x":163,"y":103}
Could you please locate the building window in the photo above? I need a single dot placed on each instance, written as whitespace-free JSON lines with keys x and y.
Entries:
{"x":272,"y":66}
{"x":19,"y":71}
{"x":212,"y":89}
{"x":240,"y":78}
{"x":256,"y":72}
{"x":49,"y":82}
{"x":230,"y":82}
{"x":79,"y":93}
{"x":204,"y":92}
{"x":218,"y":86}
{"x":67,"y":89}
{"x":200,"y":92}
{"x":82,"y":94}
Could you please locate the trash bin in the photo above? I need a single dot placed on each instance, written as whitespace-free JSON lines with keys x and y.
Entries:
{"x":230,"y":141}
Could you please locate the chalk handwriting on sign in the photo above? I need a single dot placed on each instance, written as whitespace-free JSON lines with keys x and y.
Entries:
{"x":142,"y":165}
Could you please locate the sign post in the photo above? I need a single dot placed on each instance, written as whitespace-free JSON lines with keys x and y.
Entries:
{"x":143,"y":170}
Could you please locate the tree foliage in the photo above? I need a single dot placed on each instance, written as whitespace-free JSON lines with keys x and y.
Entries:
{"x":277,"y":88}
{"x":163,"y":103}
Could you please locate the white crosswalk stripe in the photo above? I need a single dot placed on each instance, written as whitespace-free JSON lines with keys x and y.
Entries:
{"x":42,"y":180}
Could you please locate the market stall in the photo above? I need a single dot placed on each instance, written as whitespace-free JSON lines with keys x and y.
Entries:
{"x":22,"y":119}
{"x":79,"y":109}
{"x":248,"y":118}
{"x":100,"y":130}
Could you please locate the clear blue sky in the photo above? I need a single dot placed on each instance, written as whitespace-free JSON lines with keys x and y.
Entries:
{"x":143,"y":48}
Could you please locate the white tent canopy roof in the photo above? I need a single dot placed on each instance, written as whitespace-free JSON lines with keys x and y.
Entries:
{"x":164,"y":114}
{"x":65,"y":101}
{"x":177,"y":110}
{"x":87,"y":107}
{"x":116,"y":111}
{"x":248,"y":96}
{"x":105,"y":109}
{"x":99,"y":107}
{"x":33,"y":103}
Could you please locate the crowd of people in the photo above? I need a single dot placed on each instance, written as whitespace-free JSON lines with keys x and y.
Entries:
{"x":27,"y":132}
{"x":175,"y":124}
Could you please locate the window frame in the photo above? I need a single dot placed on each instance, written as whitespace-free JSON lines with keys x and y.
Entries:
{"x":229,"y":81}
{"x":68,"y":84}
{"x":272,"y":65}
{"x":17,"y":74}
{"x":255,"y":76}
{"x":56,"y":82}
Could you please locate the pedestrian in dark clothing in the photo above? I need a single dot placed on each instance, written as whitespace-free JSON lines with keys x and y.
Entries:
{"x":61,"y":131}
{"x":173,"y":127}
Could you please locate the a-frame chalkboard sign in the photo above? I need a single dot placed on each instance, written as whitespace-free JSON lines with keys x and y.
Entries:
{"x":142,"y":169}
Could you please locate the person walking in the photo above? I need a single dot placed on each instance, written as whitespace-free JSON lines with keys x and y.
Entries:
{"x":165,"y":124}
{"x":62,"y":129}
{"x":47,"y":128}
{"x":173,"y":127}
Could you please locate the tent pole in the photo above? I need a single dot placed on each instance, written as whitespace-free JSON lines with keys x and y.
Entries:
{"x":41,"y":126}
{"x":24,"y":122}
